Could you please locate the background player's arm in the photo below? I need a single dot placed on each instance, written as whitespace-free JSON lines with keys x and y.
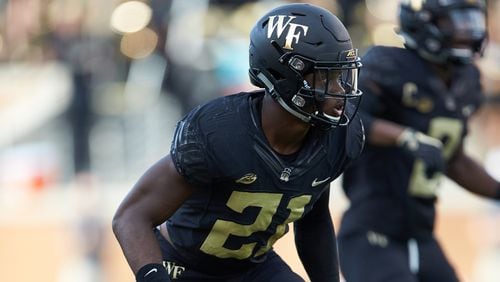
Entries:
{"x":153,"y":199}
{"x":316,"y":242}
{"x":384,"y":132}
{"x":381,"y":132}
{"x":469,"y":174}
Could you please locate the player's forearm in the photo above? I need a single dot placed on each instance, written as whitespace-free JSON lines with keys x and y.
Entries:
{"x":384,"y":133}
{"x":137,"y":240}
{"x":154,"y":198}
{"x":469,"y":174}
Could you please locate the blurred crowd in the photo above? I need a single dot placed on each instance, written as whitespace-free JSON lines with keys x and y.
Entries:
{"x":90,"y":92}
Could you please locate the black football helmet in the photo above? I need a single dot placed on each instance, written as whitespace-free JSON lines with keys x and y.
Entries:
{"x":444,"y":31}
{"x":302,"y":54}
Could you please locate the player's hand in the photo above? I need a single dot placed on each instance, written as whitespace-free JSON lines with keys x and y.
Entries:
{"x":423,"y":147}
{"x":152,"y":272}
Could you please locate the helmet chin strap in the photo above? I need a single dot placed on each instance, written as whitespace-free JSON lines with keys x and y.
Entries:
{"x":336,"y":119}
{"x":277,"y":98}
{"x":340,"y":120}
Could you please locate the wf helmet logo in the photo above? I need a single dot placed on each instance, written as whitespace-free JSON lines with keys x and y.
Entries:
{"x":280,"y":23}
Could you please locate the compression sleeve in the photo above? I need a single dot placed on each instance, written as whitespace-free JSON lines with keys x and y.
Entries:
{"x":316,"y":242}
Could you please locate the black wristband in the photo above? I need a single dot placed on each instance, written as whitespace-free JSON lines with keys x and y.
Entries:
{"x":152,"y":272}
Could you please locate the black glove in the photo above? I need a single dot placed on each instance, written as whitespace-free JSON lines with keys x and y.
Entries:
{"x":423,"y":147}
{"x":153,"y":272}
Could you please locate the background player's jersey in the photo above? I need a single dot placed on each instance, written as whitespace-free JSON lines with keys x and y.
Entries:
{"x":245,"y":194}
{"x":390,"y":191}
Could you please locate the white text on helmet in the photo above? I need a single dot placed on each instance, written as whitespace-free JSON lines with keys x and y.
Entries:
{"x":292,"y":35}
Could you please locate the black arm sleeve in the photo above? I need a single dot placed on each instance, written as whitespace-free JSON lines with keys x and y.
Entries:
{"x":316,"y":242}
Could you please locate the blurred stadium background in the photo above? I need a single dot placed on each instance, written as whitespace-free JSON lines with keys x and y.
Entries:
{"x":89,"y":95}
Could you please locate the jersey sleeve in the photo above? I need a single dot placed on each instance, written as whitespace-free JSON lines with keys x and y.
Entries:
{"x":376,"y":80}
{"x":189,"y":151}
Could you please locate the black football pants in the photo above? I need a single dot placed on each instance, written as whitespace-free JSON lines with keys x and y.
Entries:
{"x":373,"y":257}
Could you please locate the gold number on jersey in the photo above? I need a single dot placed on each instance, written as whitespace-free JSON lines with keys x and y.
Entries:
{"x":238,"y":201}
{"x":447,"y":129}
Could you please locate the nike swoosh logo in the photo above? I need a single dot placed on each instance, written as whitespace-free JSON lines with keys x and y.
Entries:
{"x":151,"y":271}
{"x":317,"y":182}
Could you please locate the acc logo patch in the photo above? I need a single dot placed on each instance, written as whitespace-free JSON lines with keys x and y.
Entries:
{"x":351,"y":54}
{"x":248,"y":178}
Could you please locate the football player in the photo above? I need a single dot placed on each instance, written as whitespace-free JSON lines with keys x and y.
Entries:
{"x":242,"y":167}
{"x":415,"y":108}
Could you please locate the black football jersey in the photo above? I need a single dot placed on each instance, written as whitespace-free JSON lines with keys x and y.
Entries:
{"x":245,"y":193}
{"x":390,"y":191}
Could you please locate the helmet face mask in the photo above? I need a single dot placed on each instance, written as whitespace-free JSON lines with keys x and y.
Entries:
{"x":462,"y":30}
{"x":327,"y":92}
{"x":452,"y":31}
{"x":304,"y":57}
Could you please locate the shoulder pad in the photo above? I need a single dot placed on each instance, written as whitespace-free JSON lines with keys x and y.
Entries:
{"x":189,"y":152}
{"x":382,"y":59}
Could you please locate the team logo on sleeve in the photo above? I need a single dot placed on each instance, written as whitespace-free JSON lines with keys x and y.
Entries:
{"x":174,"y":270}
{"x":294,"y":31}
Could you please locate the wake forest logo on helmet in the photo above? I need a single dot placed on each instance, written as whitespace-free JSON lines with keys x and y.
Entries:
{"x":281,"y":22}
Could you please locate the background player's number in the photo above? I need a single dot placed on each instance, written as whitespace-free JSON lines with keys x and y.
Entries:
{"x":268,"y":204}
{"x":449,"y":131}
